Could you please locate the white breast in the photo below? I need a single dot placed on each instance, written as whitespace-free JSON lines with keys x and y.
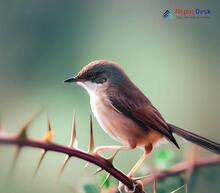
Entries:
{"x":95,"y":100}
{"x":90,"y":87}
{"x":101,"y":113}
{"x":99,"y":105}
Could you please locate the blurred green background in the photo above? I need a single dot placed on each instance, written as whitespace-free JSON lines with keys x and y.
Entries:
{"x":175,"y":62}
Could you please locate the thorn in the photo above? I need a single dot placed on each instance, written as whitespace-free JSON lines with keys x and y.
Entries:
{"x":1,"y":129}
{"x":15,"y":159}
{"x":0,"y":126}
{"x":155,"y":186}
{"x":105,"y":180}
{"x":73,"y":140}
{"x":23,"y":129}
{"x":39,"y":162}
{"x":191,"y":161}
{"x":91,"y":140}
{"x":184,"y":185}
{"x":86,"y":165}
{"x":48,"y":123}
{"x":48,"y":136}
{"x":66,"y":159}
{"x":111,"y":158}
{"x":98,"y":171}
{"x":141,"y":177}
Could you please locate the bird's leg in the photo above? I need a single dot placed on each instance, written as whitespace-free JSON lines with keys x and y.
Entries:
{"x":99,"y":149}
{"x":147,"y":151}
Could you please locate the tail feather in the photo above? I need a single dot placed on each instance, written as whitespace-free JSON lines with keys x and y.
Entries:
{"x":196,"y":139}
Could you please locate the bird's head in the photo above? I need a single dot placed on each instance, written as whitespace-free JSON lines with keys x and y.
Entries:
{"x":98,"y":74}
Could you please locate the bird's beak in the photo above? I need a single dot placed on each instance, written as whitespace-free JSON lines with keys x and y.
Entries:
{"x":72,"y":79}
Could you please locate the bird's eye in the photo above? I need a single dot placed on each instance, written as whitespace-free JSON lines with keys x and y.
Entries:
{"x":90,"y":75}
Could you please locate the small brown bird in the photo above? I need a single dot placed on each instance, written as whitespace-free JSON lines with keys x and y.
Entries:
{"x":125,"y":113}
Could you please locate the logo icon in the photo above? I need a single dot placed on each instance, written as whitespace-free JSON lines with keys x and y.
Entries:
{"x":168,"y":14}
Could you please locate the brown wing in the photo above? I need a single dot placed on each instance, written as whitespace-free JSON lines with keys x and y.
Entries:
{"x":135,"y":105}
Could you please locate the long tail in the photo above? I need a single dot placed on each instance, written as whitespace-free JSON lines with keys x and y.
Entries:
{"x":196,"y":139}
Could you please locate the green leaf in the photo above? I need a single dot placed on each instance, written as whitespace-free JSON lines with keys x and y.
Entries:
{"x":90,"y":188}
{"x":165,"y":155}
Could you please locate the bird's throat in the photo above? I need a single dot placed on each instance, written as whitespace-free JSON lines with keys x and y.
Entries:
{"x":90,"y":87}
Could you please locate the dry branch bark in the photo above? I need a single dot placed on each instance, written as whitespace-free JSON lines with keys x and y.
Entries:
{"x":72,"y":152}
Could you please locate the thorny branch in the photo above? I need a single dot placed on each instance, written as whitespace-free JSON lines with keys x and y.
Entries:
{"x":101,"y":162}
{"x":21,"y":140}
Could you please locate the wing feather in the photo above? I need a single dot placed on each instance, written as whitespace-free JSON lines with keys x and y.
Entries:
{"x":137,"y":107}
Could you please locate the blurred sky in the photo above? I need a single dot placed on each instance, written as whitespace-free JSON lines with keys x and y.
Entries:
{"x":176,"y":62}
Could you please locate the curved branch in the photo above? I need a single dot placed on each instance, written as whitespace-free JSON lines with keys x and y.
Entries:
{"x":179,"y":168}
{"x":104,"y":164}
{"x":183,"y":167}
{"x":99,"y":161}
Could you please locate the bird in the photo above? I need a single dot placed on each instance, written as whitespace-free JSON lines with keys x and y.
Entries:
{"x":126,"y":114}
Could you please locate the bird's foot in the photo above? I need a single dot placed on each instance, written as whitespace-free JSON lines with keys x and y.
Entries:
{"x":136,"y":184}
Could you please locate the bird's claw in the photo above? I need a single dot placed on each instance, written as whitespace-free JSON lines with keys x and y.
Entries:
{"x":122,"y":187}
{"x":136,"y":183}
